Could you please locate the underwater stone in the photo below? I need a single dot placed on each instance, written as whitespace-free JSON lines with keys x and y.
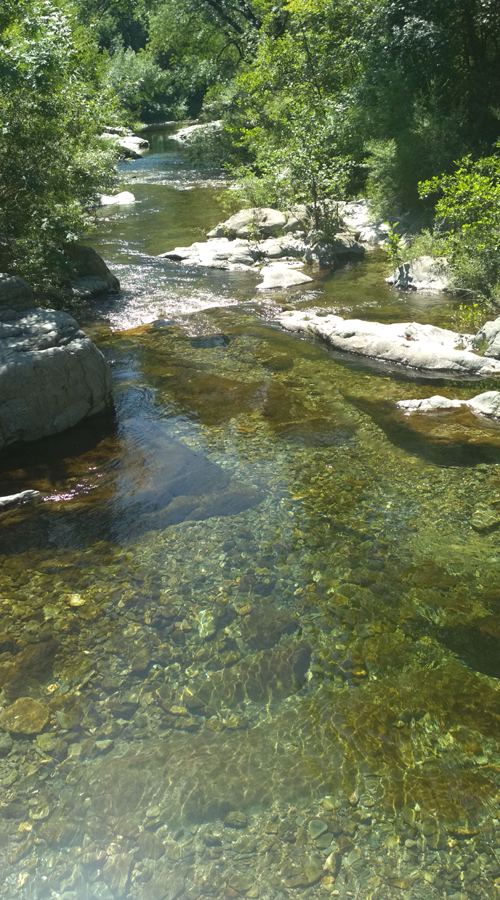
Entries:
{"x":25,"y":716}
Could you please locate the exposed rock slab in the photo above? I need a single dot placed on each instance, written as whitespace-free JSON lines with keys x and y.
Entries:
{"x":422,"y":347}
{"x":218,"y":253}
{"x":426,"y":273}
{"x":485,"y":404}
{"x":51,"y":375}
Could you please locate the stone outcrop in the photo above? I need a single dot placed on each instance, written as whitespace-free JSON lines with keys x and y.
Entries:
{"x":486,"y":404}
{"x":123,"y":198}
{"x":421,"y":347}
{"x":426,"y":273}
{"x":89,"y":273}
{"x":217,"y":253}
{"x":51,"y":375}
{"x":342,"y":248}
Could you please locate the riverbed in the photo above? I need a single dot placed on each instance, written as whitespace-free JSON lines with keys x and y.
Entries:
{"x":254,"y":609}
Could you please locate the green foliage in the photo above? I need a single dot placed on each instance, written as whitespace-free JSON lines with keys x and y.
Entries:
{"x":52,"y":162}
{"x":468,"y":221}
{"x":470,"y":317}
{"x":143,"y":88}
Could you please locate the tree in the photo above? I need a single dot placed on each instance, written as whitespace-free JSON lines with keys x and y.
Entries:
{"x":52,"y":162}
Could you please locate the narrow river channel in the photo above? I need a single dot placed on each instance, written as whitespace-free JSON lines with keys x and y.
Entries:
{"x":254,"y":609}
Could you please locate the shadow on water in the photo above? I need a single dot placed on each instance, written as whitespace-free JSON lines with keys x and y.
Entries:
{"x":447,"y":439}
{"x":140,"y":478}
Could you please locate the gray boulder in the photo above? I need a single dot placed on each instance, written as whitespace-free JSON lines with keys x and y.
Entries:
{"x":51,"y":375}
{"x":217,"y":253}
{"x":487,"y":340}
{"x":486,"y":404}
{"x":18,"y":499}
{"x":15,"y":293}
{"x":89,"y":273}
{"x":282,"y":275}
{"x":123,"y":198}
{"x":257,"y":222}
{"x":426,"y":273}
{"x":422,"y":347}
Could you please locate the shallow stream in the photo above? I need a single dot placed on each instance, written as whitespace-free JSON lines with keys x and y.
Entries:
{"x":257,"y":610}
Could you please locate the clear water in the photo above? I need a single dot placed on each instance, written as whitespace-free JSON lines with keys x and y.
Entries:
{"x":255,"y":608}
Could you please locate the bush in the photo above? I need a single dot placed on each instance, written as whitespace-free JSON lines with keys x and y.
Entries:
{"x":468,"y":222}
{"x":142,"y":87}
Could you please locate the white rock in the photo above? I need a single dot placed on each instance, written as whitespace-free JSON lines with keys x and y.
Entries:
{"x":486,"y":404}
{"x":51,"y":375}
{"x":18,"y":499}
{"x":426,"y":273}
{"x":416,"y":346}
{"x":281,"y":275}
{"x":124,"y":198}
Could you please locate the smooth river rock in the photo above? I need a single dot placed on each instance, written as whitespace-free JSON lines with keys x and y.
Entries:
{"x":25,"y":716}
{"x":422,"y":347}
{"x":130,"y":146}
{"x":89,"y":273}
{"x":198,"y":130}
{"x":51,"y":375}
{"x":485,"y":404}
{"x":256,"y":222}
{"x":18,"y":499}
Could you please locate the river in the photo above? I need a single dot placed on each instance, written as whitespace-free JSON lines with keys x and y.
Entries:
{"x":253,"y":610}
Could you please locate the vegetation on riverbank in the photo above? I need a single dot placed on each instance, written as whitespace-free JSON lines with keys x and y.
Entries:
{"x":319,"y":100}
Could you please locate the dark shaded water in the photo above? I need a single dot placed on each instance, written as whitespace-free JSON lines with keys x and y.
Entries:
{"x":259,"y":625}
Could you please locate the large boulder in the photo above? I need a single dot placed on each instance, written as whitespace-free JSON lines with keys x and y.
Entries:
{"x":282,"y":275}
{"x":257,"y":222}
{"x":487,"y":339}
{"x":89,"y":273}
{"x":15,"y":293}
{"x":426,"y":273}
{"x":51,"y":375}
{"x":217,"y":253}
{"x":422,"y":347}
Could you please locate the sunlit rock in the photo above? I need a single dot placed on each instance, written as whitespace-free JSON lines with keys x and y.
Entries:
{"x":282,"y":275}
{"x":485,"y":404}
{"x":124,"y":198}
{"x":426,"y":273}
{"x":422,"y":347}
{"x":487,"y":339}
{"x":89,"y":274}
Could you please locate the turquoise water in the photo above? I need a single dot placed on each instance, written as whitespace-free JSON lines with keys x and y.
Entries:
{"x":257,"y":610}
